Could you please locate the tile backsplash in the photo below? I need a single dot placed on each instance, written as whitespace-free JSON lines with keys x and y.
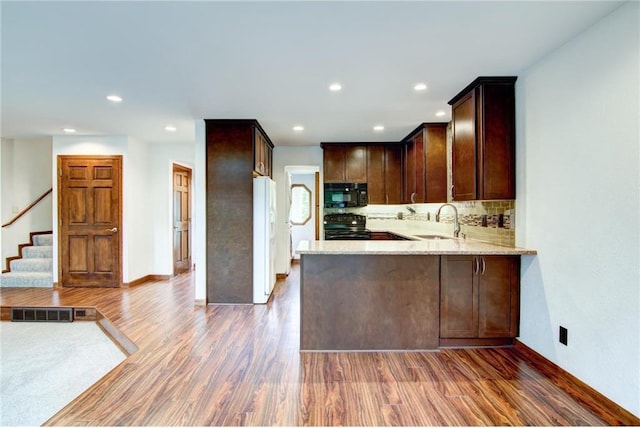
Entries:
{"x":491,"y":221}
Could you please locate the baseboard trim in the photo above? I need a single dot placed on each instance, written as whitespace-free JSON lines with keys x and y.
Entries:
{"x":145,"y":279}
{"x":600,"y":405}
{"x":201,"y":302}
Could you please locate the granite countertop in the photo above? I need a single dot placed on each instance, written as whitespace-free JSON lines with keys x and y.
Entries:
{"x":418,"y":246}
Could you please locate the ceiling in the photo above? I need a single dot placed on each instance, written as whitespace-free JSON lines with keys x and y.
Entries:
{"x":177,"y":62}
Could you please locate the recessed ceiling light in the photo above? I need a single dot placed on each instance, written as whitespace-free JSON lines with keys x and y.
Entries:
{"x":170,"y":128}
{"x":298,"y":128}
{"x":114,"y":98}
{"x":335,"y":87}
{"x":69,"y":130}
{"x":440,"y":113}
{"x":378,"y":128}
{"x":420,"y":87}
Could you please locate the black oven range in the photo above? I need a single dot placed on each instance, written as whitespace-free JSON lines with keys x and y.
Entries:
{"x":345,"y":227}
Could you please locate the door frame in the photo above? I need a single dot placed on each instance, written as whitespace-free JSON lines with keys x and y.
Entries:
{"x":60,"y":195}
{"x":179,"y":167}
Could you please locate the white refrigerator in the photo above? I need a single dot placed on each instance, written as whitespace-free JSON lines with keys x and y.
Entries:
{"x":264,"y":238}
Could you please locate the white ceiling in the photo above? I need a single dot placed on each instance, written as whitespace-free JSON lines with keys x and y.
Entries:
{"x":176,"y":62}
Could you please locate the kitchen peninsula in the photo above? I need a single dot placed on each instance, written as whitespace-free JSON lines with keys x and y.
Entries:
{"x":408,"y":295}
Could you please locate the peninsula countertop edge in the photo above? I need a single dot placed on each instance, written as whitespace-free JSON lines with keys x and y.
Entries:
{"x":453,"y":246}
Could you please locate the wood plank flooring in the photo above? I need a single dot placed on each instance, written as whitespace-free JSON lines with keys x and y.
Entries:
{"x":241,"y":365}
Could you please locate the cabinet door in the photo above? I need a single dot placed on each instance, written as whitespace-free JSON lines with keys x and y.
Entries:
{"x":376,"y":174}
{"x":496,"y":143}
{"x":393,"y":174}
{"x":268,"y":159}
{"x":258,"y":153}
{"x":419,"y":155}
{"x":458,"y":297}
{"x":463,"y":155}
{"x":499,"y":296}
{"x":409,"y":172}
{"x":355,"y":164}
{"x":436,"y":163}
{"x":333,"y":164}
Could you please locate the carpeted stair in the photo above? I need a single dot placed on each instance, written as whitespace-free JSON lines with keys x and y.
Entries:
{"x":35,"y":268}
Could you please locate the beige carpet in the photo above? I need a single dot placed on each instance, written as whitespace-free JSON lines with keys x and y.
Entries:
{"x":45,"y":365}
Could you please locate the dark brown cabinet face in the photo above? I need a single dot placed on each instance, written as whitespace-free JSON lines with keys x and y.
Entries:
{"x":384,"y":173}
{"x":425,"y":164}
{"x":483,"y":153}
{"x":479,"y":297}
{"x":262,"y":154}
{"x":344,"y":164}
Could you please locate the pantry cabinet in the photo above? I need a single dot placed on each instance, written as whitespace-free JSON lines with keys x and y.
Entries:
{"x":483,"y":147}
{"x":232,"y":148}
{"x":479,"y":300}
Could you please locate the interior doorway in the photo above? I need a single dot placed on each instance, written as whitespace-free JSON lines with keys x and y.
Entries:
{"x":304,"y":210}
{"x":181,"y":219}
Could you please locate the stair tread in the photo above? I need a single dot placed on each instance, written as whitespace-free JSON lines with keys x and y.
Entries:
{"x":22,"y":274}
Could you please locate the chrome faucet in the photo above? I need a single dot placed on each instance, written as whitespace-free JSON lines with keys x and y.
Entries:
{"x":456,"y":222}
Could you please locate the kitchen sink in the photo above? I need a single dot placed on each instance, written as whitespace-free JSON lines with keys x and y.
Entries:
{"x":433,"y":237}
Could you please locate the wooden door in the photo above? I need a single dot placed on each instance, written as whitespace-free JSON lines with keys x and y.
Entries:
{"x":463,"y":155}
{"x":420,"y":158}
{"x":181,"y":219}
{"x":499,"y":296}
{"x":458,"y":297}
{"x":90,"y":221}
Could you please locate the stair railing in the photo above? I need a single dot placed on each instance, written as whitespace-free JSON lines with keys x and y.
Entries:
{"x":26,"y":210}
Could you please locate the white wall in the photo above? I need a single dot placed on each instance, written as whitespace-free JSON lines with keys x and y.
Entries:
{"x":284,"y":156}
{"x":26,"y":175}
{"x":199,"y":222}
{"x":160,"y":195}
{"x":578,"y":205}
{"x":147,"y":232}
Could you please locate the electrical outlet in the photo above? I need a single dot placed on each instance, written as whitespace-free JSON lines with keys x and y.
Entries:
{"x":564,"y":335}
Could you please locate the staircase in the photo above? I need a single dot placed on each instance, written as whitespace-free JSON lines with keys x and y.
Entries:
{"x":34,"y":266}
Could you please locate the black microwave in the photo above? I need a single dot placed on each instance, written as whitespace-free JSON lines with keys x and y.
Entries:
{"x":345,"y":195}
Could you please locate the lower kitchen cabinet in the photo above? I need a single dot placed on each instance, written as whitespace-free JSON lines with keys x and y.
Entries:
{"x":479,"y":300}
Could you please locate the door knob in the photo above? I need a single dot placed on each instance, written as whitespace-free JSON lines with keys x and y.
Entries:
{"x":114,"y":229}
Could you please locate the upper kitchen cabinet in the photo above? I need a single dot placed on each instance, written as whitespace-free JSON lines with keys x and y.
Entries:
{"x":425,"y":164}
{"x":384,"y":172}
{"x":483,"y":152}
{"x":262,"y":152}
{"x":344,"y":163}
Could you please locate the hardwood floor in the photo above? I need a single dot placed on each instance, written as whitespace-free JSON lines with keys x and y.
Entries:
{"x":241,"y":365}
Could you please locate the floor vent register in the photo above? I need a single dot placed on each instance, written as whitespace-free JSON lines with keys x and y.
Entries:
{"x":42,"y":314}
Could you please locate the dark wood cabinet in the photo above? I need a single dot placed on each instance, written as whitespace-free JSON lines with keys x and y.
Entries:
{"x":387,"y":236}
{"x":479,"y":299}
{"x":425,"y":164}
{"x":231,"y":154}
{"x":384,"y":173}
{"x":344,"y":163}
{"x":483,"y":151}
{"x":262,"y":153}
